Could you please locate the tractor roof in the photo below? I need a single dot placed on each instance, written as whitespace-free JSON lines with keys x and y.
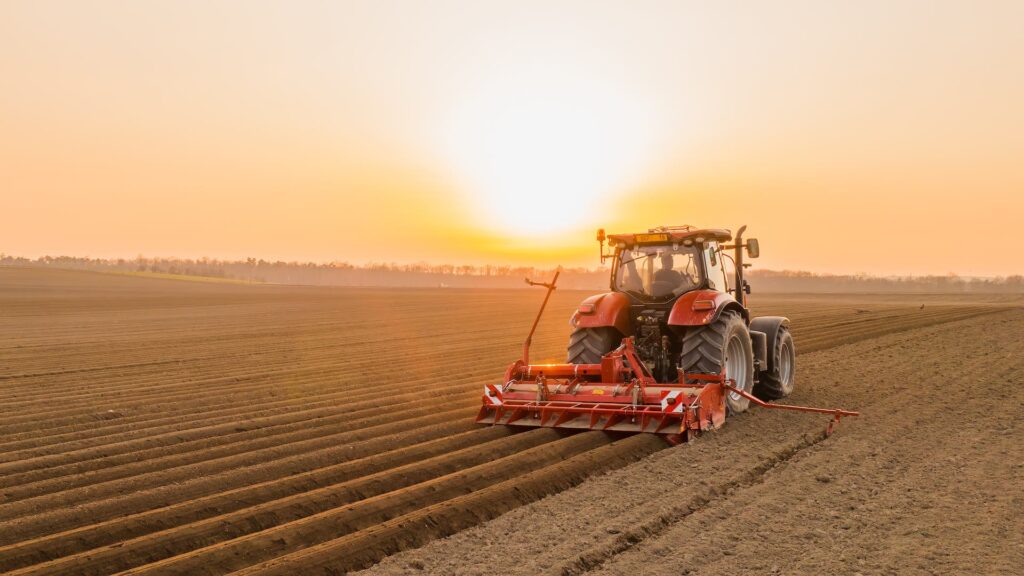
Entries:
{"x":672,"y":235}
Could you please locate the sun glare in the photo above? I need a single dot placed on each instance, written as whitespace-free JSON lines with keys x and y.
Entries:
{"x":537,"y":162}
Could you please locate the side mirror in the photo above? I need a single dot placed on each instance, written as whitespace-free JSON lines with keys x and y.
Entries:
{"x":753,"y":250}
{"x":600,"y":235}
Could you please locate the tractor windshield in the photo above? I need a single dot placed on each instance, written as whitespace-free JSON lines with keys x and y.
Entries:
{"x":657,"y":272}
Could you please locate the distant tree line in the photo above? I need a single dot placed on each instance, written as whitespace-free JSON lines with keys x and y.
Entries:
{"x":798,"y":281}
{"x":423,"y":274}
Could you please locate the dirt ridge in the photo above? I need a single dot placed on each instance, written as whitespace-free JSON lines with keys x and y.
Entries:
{"x":215,"y":429}
{"x":596,"y":557}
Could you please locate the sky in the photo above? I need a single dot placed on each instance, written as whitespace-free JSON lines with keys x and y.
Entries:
{"x":876,"y":137}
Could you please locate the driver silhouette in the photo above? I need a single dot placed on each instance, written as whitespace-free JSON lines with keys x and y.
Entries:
{"x":667,"y":274}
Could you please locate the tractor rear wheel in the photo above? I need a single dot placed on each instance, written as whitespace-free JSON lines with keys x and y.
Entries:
{"x":780,"y":378}
{"x":588,"y":345}
{"x":722,"y":345}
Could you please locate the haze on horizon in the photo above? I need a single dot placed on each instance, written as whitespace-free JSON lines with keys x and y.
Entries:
{"x":879,"y":137}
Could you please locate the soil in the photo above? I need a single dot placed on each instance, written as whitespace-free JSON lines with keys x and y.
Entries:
{"x":928,"y":480}
{"x":166,"y":427}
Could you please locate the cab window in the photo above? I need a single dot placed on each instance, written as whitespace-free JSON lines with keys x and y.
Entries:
{"x":715,"y":267}
{"x":657,"y":272}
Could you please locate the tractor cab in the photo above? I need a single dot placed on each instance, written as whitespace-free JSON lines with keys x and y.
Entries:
{"x":665,"y":263}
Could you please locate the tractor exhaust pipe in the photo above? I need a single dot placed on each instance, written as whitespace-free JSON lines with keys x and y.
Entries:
{"x":739,"y":264}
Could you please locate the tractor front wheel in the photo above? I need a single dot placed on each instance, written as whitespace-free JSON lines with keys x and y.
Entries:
{"x":722,"y":345}
{"x":588,"y":345}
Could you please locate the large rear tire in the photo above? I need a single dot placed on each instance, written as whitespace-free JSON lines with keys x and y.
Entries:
{"x":780,"y":379}
{"x":723,"y":344}
{"x":588,"y":345}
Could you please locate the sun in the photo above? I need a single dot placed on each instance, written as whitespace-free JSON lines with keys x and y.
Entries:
{"x":538,"y":156}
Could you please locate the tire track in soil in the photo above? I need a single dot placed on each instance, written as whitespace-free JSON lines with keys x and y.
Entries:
{"x":596,"y":557}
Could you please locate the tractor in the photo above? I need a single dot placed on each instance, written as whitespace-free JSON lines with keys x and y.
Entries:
{"x":670,"y":349}
{"x":670,"y":291}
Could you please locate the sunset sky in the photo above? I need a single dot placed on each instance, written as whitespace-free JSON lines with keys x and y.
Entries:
{"x":880,"y":137}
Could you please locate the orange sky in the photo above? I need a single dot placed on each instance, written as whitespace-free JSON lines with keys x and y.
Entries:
{"x":880,"y":137}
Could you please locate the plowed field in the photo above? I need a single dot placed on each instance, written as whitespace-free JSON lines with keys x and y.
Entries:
{"x":165,"y":427}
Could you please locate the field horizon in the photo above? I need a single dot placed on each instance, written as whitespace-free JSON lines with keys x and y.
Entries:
{"x":424,"y":275}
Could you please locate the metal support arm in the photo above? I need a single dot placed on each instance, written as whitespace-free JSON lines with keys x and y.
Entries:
{"x":836,"y":413}
{"x":550,"y":288}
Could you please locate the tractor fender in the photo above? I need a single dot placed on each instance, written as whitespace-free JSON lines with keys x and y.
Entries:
{"x":603,"y":310}
{"x":702,"y":307}
{"x":770,"y":326}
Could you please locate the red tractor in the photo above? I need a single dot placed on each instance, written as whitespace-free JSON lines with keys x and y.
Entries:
{"x":672,"y":294}
{"x":670,"y":349}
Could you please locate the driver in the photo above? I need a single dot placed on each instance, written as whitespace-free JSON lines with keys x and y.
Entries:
{"x":667,"y":274}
